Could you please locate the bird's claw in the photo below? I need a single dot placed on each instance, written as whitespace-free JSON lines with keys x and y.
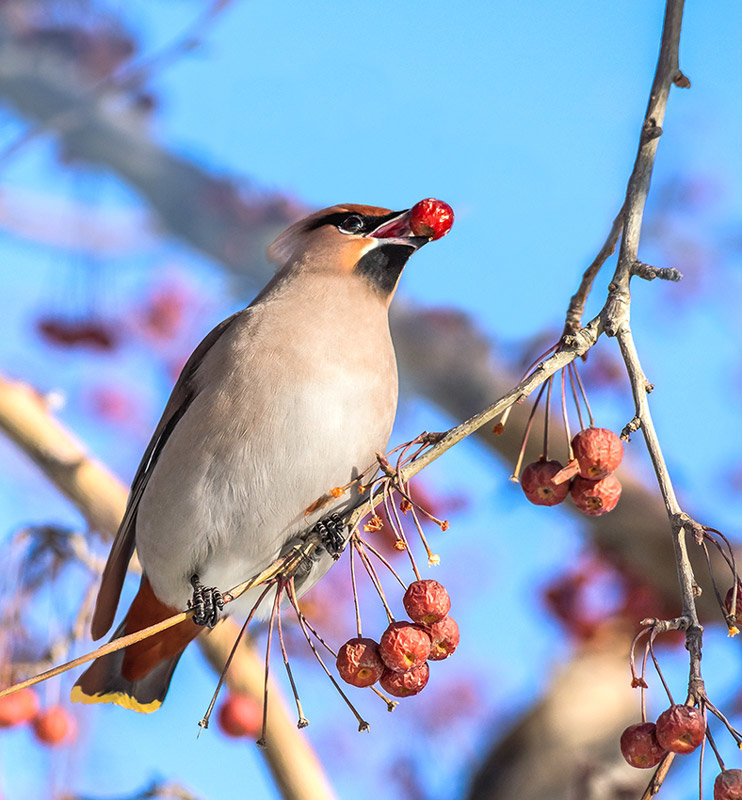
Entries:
{"x":207,"y":602}
{"x":331,"y":532}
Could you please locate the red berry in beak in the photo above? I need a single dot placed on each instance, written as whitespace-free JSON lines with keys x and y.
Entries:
{"x":426,"y":601}
{"x":598,"y":452}
{"x":404,"y":684}
{"x":639,"y":745}
{"x":728,"y":785}
{"x":537,"y":485}
{"x":432,"y":218}
{"x":681,"y":729}
{"x":359,"y":662}
{"x":404,"y":646}
{"x":596,"y":497}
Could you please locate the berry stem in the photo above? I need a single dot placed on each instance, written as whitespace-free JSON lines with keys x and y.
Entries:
{"x":263,"y":741}
{"x":714,"y":748}
{"x":355,"y":589}
{"x":526,"y":434}
{"x":736,"y":735}
{"x":374,"y":578}
{"x":546,"y":418}
{"x":390,"y":704}
{"x":570,"y":454}
{"x":643,"y":691}
{"x":204,"y":723}
{"x":302,"y":721}
{"x":584,"y":395}
{"x":362,"y":724}
{"x":384,"y":561}
{"x":650,"y":644}
{"x":540,"y":358}
{"x":573,"y":386}
{"x":729,"y":613}
{"x":388,"y":501}
{"x":503,"y":420}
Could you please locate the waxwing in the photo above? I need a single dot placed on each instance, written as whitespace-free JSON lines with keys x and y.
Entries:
{"x":280,"y":403}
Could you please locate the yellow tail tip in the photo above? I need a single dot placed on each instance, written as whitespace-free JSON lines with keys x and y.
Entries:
{"x":119,"y":698}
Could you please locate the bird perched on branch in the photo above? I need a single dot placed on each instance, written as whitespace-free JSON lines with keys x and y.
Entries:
{"x":279,"y":404}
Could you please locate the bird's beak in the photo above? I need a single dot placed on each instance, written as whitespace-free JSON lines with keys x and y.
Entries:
{"x":397,"y":230}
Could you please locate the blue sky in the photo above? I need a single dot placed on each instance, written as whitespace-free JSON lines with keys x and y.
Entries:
{"x":525,"y":118}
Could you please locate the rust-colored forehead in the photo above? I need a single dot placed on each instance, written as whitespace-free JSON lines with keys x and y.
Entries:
{"x":348,"y":208}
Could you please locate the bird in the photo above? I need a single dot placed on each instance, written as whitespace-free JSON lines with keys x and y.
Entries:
{"x":281,"y":402}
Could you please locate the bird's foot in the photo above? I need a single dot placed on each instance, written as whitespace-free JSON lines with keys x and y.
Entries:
{"x":207,"y":603}
{"x":331,"y":531}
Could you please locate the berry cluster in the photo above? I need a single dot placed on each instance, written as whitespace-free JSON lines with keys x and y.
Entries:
{"x":679,"y":729}
{"x":51,"y":726}
{"x":399,"y":660}
{"x":588,"y":477}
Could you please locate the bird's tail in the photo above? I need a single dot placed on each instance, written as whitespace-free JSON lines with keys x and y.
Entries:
{"x":138,"y":676}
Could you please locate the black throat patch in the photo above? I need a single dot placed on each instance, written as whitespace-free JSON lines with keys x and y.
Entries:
{"x":382,"y":266}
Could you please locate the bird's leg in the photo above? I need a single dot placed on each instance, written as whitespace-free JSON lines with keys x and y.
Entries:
{"x":207,"y":603}
{"x":331,"y":531}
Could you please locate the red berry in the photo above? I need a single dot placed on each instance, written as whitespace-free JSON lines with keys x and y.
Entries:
{"x":240,"y":715}
{"x":359,"y":662}
{"x":728,"y":785}
{"x":404,"y":684}
{"x":595,"y":497}
{"x":681,"y":729}
{"x":404,"y":646}
{"x":432,"y":218}
{"x":538,"y":486}
{"x":598,"y":452}
{"x":444,"y":638}
{"x":426,"y":601}
{"x":639,"y":745}
{"x":54,"y":725}
{"x":18,"y":708}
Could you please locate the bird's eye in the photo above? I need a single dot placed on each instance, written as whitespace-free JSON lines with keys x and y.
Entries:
{"x":351,"y":224}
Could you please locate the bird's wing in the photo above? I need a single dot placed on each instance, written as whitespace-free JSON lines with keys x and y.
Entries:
{"x":114,"y":572}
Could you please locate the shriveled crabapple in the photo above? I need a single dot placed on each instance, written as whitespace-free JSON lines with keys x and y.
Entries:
{"x":595,"y":497}
{"x":681,"y":729}
{"x":432,"y":218}
{"x":426,"y":601}
{"x":405,"y":684}
{"x":18,"y":708}
{"x":598,"y":452}
{"x":359,"y":662}
{"x":54,"y":726}
{"x":538,"y":487}
{"x":240,"y":715}
{"x":404,"y":646}
{"x":728,"y":785}
{"x":444,"y":638}
{"x":639,"y":745}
